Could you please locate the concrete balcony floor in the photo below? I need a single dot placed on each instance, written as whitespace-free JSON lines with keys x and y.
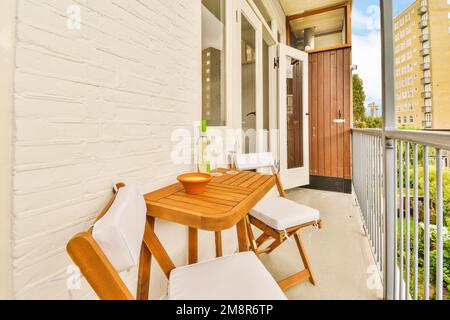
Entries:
{"x":340,"y":253}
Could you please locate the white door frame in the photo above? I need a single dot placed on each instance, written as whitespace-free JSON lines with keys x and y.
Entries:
{"x":239,"y":8}
{"x":299,"y":176}
{"x":233,"y":76}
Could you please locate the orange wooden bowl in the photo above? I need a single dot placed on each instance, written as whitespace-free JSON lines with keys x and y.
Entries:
{"x":194,"y":183}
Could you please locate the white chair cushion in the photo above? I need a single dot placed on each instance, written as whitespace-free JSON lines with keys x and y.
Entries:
{"x":119,"y":233}
{"x":281,"y":213}
{"x":236,"y":277}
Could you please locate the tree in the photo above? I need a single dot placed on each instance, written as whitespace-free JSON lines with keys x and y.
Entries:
{"x":360,"y":120}
{"x":374,"y":123}
{"x":359,"y":99}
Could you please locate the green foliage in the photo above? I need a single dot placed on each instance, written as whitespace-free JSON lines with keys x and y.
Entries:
{"x":446,"y":200}
{"x":360,"y":119}
{"x":406,"y":127}
{"x":421,"y":262}
{"x":374,"y":122}
{"x":359,"y":98}
{"x":446,"y":191}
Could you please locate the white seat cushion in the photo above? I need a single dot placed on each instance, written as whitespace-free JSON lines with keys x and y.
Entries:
{"x":281,"y":213}
{"x":236,"y":277}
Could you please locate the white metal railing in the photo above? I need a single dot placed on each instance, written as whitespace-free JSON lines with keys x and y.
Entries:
{"x":409,"y":238}
{"x":368,"y":186}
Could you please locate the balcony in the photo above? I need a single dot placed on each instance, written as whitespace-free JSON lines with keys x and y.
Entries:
{"x":424,"y":37}
{"x":425,"y":52}
{"x":427,"y":124}
{"x":426,"y":95}
{"x":426,"y":80}
{"x":425,"y":66}
{"x":422,"y":10}
{"x":423,"y":24}
{"x":63,"y":174}
{"x":427,"y":109}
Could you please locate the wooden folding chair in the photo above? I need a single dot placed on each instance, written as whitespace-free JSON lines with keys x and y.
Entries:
{"x":279,"y":219}
{"x":107,"y":249}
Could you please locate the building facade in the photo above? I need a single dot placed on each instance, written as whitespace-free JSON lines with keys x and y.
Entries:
{"x":373,"y":108}
{"x":422,"y":61}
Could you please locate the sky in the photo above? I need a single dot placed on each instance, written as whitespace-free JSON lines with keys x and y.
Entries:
{"x":367,"y":44}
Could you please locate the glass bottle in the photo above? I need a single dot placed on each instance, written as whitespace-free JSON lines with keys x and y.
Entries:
{"x":203,"y":165}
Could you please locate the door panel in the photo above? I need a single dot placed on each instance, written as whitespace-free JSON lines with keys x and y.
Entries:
{"x":293,"y":110}
{"x":330,"y":114}
{"x":248,"y":81}
{"x":295,"y":116}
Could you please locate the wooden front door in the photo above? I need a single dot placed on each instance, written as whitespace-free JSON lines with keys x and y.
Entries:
{"x":330,"y":119}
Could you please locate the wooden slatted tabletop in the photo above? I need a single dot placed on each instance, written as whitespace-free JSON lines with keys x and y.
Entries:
{"x":225,"y":202}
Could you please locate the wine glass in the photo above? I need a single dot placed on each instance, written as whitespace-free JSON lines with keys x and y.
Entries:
{"x":215,"y":154}
{"x":232,"y":160}
{"x":232,"y":157}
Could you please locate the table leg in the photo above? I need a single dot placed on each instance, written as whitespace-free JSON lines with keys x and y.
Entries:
{"x":145,"y":262}
{"x":242,"y":235}
{"x":193,"y":246}
{"x":218,"y":236}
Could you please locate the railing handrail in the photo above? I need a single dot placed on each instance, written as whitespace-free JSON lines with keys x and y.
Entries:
{"x":369,"y":132}
{"x":434,"y":139}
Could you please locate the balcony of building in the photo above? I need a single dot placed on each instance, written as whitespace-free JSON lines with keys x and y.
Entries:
{"x":422,"y":10}
{"x":425,"y":52}
{"x":425,"y":80}
{"x":424,"y":37}
{"x":427,"y":124}
{"x":425,"y":66}
{"x":426,"y":95}
{"x":382,"y":240}
{"x":423,"y":24}
{"x":427,"y":109}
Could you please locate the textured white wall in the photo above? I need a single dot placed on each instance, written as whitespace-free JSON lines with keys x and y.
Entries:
{"x":93,"y":107}
{"x":7,"y":30}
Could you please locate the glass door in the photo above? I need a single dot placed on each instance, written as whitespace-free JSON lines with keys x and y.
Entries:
{"x":293,"y":117}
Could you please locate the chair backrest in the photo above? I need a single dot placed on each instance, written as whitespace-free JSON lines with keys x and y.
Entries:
{"x":114,"y":244}
{"x":120,"y":231}
{"x":255,"y":161}
{"x":252,"y":161}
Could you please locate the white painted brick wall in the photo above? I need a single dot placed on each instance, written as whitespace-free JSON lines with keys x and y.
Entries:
{"x":93,"y":107}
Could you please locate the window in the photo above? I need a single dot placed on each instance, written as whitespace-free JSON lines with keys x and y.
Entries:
{"x":213,"y":62}
{"x":411,"y":119}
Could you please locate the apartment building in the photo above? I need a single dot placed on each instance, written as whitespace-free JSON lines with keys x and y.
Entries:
{"x":422,"y":61}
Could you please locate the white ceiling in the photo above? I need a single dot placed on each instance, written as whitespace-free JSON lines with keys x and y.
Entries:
{"x":291,"y":7}
{"x":324,"y":22}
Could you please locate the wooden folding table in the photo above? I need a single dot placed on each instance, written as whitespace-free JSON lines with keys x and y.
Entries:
{"x":225,"y":203}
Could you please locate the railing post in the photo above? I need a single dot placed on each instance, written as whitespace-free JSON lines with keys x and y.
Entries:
{"x":388,"y":85}
{"x":389,"y":269}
